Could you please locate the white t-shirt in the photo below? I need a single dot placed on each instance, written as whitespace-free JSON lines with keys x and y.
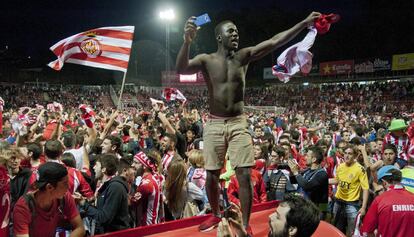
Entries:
{"x":78,"y":154}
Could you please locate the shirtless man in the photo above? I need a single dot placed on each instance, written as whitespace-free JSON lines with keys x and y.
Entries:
{"x":226,"y":130}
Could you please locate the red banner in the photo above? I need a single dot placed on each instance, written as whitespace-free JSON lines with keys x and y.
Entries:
{"x":336,"y":67}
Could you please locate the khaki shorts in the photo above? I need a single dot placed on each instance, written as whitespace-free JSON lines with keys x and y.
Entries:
{"x":230,"y":135}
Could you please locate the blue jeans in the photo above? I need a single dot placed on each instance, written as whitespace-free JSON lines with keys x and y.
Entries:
{"x":345,"y":214}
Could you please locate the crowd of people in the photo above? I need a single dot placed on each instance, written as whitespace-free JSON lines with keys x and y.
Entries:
{"x":123,"y":170}
{"x":376,"y":97}
{"x":336,"y":153}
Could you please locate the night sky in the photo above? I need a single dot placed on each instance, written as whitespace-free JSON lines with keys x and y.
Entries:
{"x":367,"y":27}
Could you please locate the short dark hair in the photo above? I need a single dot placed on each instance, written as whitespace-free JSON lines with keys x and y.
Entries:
{"x":258,"y":127}
{"x":80,"y":137}
{"x":96,"y":146}
{"x":217,"y":29}
{"x":172,"y":137}
{"x":115,"y":141}
{"x":285,"y":144}
{"x":284,"y":137}
{"x":344,"y":131}
{"x":359,"y":130}
{"x":322,"y":142}
{"x":295,"y":135}
{"x":68,"y":159}
{"x":110,"y":162}
{"x":35,"y":149}
{"x":303,"y":215}
{"x":53,"y":149}
{"x":279,"y":151}
{"x":69,"y":139}
{"x":317,"y":152}
{"x":356,"y":141}
{"x":124,"y":163}
{"x":341,"y":142}
{"x":389,"y":146}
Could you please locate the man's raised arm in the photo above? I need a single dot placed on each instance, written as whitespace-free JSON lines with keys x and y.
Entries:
{"x":267,"y":46}
{"x":184,"y":64}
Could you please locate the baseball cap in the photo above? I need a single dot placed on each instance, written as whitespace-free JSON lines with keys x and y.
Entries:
{"x":50,"y":172}
{"x":385,"y":171}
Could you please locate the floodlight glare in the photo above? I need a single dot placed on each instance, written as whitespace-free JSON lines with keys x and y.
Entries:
{"x":167,"y":14}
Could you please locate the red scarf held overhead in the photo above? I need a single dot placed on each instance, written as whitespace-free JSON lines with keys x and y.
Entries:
{"x":323,"y":23}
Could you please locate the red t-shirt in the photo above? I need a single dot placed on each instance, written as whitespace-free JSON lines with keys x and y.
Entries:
{"x":392,"y":213}
{"x":45,"y":222}
{"x":259,"y":190}
{"x":47,"y":132}
{"x":4,"y":202}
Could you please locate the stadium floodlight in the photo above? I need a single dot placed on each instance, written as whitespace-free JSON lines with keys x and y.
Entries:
{"x":167,"y":14}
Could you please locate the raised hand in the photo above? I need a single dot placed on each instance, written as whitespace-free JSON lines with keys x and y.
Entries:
{"x":311,"y":18}
{"x":190,"y":30}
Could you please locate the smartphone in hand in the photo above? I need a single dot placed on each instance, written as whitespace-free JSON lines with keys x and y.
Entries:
{"x":202,"y":19}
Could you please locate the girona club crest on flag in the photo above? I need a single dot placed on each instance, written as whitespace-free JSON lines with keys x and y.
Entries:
{"x":105,"y":47}
{"x":91,"y":47}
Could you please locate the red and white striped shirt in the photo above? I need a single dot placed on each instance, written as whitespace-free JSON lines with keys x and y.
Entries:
{"x":76,"y":181}
{"x":402,"y":143}
{"x":150,"y":189}
{"x":166,"y":160}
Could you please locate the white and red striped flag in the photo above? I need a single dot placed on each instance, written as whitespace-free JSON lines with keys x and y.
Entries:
{"x":106,"y":47}
{"x":173,"y":94}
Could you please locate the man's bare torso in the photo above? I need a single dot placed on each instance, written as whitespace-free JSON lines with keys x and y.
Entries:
{"x":225,"y":77}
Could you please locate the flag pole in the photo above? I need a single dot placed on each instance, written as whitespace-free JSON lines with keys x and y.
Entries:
{"x":122,"y":90}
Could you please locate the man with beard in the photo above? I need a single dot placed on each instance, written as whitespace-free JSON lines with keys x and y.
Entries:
{"x":226,"y":128}
{"x":294,"y":217}
{"x":168,"y":149}
{"x":111,"y":210}
{"x":175,"y":129}
{"x":313,"y":182}
{"x":147,"y":198}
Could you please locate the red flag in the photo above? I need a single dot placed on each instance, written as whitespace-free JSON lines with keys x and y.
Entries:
{"x":173,"y":94}
{"x":106,"y":47}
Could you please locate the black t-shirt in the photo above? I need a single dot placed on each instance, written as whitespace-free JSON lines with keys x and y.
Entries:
{"x":181,"y":145}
